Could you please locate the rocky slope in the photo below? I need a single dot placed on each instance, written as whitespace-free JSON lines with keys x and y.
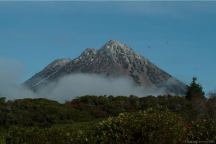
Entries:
{"x":112,"y":60}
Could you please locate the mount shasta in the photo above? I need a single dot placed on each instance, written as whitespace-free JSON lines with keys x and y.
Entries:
{"x":113,"y":59}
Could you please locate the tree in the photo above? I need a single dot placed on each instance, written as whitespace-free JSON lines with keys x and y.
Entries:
{"x":195,"y":90}
{"x":195,"y":95}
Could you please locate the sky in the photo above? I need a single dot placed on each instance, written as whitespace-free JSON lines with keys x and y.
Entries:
{"x":179,"y":37}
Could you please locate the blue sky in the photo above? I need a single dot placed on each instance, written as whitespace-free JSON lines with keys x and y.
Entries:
{"x":179,"y":37}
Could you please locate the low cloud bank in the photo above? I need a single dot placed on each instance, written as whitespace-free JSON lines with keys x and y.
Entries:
{"x":10,"y":74}
{"x":68,"y":87}
{"x":74,"y":85}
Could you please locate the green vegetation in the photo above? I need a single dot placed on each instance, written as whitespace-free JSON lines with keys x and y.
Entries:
{"x":106,"y":119}
{"x":79,"y":133}
{"x":195,"y":94}
{"x":195,"y":90}
{"x":150,"y":127}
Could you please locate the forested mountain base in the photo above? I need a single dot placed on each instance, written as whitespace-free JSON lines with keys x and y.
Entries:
{"x":108,"y":119}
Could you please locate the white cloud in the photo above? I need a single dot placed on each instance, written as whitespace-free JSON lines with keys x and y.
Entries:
{"x":10,"y":74}
{"x":75,"y":85}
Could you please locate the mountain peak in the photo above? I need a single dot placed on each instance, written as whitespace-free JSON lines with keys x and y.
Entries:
{"x":114,"y":44}
{"x":112,"y":59}
{"x":114,"y":47}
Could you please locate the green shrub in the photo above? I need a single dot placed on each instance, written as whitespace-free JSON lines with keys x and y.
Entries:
{"x":74,"y":134}
{"x":147,"y":127}
{"x":202,"y":130}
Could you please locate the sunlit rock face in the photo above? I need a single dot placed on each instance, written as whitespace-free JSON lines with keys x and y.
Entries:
{"x":113,"y":59}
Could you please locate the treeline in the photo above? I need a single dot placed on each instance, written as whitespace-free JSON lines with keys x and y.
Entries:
{"x":45,"y":113}
{"x":79,"y":120}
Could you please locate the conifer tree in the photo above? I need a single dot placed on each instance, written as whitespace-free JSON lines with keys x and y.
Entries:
{"x":194,"y":90}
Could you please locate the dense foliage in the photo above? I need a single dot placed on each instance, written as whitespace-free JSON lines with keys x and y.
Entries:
{"x":204,"y":129}
{"x":38,"y":112}
{"x":107,"y":119}
{"x":146,"y":127}
{"x":79,"y":133}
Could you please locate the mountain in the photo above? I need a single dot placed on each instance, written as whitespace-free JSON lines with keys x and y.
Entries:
{"x":114,"y":59}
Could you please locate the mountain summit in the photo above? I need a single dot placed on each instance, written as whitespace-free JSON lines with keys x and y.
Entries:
{"x":112,"y":60}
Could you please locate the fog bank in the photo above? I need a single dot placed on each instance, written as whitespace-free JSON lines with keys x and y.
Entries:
{"x":68,"y":87}
{"x":75,"y":85}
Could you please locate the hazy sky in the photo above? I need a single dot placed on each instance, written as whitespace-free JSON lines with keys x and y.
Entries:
{"x":179,"y":37}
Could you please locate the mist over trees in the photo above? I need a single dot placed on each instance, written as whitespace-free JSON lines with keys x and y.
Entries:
{"x":110,"y":119}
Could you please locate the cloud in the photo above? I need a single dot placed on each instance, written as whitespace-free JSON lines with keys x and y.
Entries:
{"x":10,"y":74}
{"x":75,"y":85}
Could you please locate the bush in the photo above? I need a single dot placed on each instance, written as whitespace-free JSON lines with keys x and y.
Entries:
{"x":75,"y":134}
{"x":202,"y":130}
{"x":147,"y":127}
